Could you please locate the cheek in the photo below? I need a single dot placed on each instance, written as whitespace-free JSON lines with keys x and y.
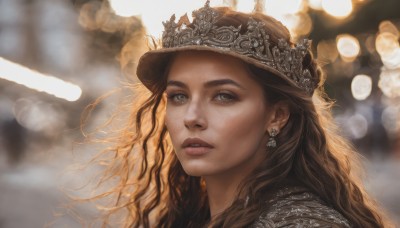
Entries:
{"x":173,"y":121}
{"x":243,"y":127}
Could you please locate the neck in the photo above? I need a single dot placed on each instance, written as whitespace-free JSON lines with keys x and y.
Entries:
{"x":221,"y":192}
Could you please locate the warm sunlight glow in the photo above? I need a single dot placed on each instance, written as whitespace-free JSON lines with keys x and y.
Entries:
{"x":290,"y":13}
{"x":338,"y":8}
{"x":361,"y":86}
{"x":348,"y":46}
{"x":298,"y":24}
{"x":315,"y":4}
{"x":245,"y":6}
{"x":156,"y":11}
{"x":281,"y":7}
{"x":37,"y":81}
{"x":126,"y":8}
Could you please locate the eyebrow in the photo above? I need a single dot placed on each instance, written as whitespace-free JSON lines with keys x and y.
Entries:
{"x":212,"y":83}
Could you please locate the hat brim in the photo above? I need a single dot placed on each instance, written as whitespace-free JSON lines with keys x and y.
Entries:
{"x":152,"y":65}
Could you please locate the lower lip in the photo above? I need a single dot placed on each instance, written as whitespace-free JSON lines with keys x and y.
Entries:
{"x":196,"y":151}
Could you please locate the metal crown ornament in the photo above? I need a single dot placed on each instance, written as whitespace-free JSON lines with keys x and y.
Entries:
{"x":255,"y":44}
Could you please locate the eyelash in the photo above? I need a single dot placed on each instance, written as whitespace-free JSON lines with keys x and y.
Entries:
{"x":171,"y":97}
{"x":229,"y":97}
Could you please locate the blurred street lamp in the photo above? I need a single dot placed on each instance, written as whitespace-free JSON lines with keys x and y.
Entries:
{"x":37,"y":81}
{"x":338,"y":8}
{"x":361,"y":86}
{"x":348,"y":47}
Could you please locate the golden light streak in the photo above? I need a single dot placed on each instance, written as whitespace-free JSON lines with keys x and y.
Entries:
{"x":338,"y":8}
{"x":37,"y":81}
{"x":361,"y":86}
{"x":348,"y":47}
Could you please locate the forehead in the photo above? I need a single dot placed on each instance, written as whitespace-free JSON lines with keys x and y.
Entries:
{"x":195,"y":65}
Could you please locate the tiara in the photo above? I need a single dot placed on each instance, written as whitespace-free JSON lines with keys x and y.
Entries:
{"x":255,"y":44}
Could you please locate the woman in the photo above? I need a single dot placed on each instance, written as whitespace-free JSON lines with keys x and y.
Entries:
{"x":235,"y":133}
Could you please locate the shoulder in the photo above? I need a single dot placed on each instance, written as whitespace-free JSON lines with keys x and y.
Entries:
{"x":298,"y":207}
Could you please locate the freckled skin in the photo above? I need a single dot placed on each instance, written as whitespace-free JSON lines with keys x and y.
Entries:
{"x":232,"y":118}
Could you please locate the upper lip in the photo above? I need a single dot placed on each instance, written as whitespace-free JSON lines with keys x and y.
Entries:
{"x":191,"y":141}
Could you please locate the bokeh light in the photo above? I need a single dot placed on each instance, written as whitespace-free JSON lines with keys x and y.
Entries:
{"x":389,"y":82}
{"x":391,"y":119}
{"x":361,"y":86}
{"x":277,"y":8}
{"x":338,"y":8}
{"x":392,"y":60}
{"x":370,"y":44}
{"x":315,"y":4}
{"x":37,"y":81}
{"x":299,"y":24}
{"x":358,"y":126}
{"x":292,"y":14}
{"x":327,"y":51}
{"x":387,"y":26}
{"x":386,"y":43}
{"x":348,"y":47}
{"x":40,"y":116}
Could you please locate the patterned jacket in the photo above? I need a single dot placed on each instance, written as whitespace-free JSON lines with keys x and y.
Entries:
{"x":296,"y":207}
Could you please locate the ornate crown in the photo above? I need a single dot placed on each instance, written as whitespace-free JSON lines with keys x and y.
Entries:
{"x":254,"y":43}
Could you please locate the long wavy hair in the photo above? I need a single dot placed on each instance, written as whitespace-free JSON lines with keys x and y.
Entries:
{"x":151,"y":189}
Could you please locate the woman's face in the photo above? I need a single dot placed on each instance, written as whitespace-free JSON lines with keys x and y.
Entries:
{"x":216,"y":115}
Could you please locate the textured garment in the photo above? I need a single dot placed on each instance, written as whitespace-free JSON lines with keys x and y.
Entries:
{"x":296,"y":207}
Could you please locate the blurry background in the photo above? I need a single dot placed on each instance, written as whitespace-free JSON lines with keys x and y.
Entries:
{"x":57,"y":56}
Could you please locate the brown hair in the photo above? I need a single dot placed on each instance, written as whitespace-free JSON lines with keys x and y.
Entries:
{"x":154,"y":190}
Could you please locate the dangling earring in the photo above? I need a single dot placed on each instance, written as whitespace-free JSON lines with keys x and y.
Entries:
{"x":271,"y":141}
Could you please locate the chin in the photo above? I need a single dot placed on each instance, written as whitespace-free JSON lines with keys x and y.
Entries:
{"x":195,"y":171}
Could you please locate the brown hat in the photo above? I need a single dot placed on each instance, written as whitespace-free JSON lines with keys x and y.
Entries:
{"x":252,"y":47}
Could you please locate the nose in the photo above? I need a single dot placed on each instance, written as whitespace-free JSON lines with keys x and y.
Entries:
{"x":195,"y":116}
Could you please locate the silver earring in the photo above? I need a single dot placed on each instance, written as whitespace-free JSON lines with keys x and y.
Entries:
{"x":271,"y":141}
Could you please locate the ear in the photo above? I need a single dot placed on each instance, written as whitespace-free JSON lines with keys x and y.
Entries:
{"x":280,"y":114}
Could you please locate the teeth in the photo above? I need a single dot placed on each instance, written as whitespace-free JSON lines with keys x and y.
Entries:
{"x":195,"y":145}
